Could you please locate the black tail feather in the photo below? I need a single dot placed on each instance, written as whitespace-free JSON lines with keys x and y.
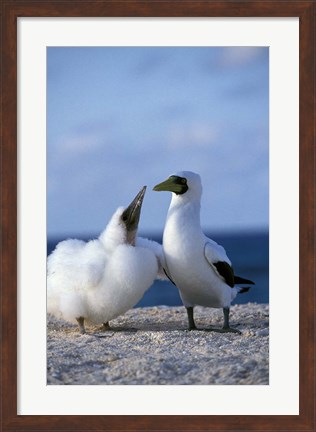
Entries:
{"x":244,"y":290}
{"x":240,"y":280}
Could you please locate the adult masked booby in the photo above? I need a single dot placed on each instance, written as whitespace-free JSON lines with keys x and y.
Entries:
{"x":197,"y":265}
{"x":103,"y":278}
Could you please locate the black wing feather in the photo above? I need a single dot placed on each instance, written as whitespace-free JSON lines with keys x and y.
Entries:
{"x":226,"y":271}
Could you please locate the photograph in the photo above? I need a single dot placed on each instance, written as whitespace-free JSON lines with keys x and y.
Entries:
{"x":157,"y":215}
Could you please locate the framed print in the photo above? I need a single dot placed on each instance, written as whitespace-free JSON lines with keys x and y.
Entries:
{"x":37,"y":37}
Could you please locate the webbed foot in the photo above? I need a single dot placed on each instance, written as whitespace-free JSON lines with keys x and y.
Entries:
{"x":228,"y":330}
{"x":223,"y":330}
{"x":105,"y":327}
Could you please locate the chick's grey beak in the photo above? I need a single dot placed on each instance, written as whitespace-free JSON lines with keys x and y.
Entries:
{"x":131,"y":214}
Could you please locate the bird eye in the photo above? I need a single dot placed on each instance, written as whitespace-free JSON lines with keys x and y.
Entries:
{"x":183,"y":180}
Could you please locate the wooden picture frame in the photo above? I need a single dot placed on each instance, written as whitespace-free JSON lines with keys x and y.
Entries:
{"x":11,"y":10}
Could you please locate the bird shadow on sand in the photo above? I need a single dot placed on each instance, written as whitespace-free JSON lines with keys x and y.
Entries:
{"x":131,"y":328}
{"x":157,"y":328}
{"x":140,"y":329}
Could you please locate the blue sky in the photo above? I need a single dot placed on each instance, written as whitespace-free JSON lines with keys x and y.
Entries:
{"x":123,"y":117}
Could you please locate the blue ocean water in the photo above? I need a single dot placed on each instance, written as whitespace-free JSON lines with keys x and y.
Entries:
{"x":248,"y":251}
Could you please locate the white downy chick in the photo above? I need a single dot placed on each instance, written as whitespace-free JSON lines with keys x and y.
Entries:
{"x":98,"y":280}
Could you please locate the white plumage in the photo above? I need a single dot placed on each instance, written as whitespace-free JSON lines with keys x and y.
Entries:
{"x":103,"y":278}
{"x":197,"y":265}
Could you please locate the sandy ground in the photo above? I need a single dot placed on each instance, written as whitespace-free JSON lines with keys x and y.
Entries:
{"x":152,"y":346}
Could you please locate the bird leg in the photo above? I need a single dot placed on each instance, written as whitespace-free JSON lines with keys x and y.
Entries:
{"x":226,"y":327}
{"x":80,"y":322}
{"x":192,"y":325}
